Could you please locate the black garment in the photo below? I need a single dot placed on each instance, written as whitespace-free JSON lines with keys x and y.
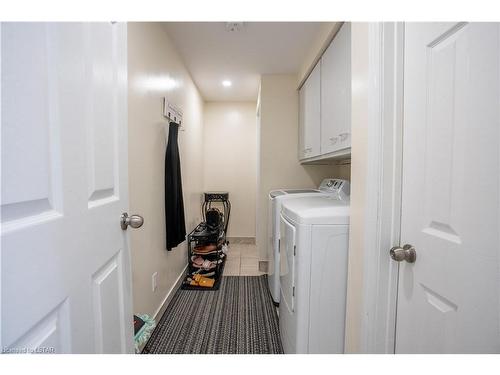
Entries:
{"x":174,"y":204}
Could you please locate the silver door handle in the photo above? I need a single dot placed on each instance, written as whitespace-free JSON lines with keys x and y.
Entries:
{"x":407,"y":252}
{"x":135,"y":221}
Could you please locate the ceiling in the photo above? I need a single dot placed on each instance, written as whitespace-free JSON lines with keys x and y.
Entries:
{"x":213,"y":54}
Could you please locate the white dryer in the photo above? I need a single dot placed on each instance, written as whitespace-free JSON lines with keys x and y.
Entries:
{"x":329,"y":186}
{"x":314,"y":252}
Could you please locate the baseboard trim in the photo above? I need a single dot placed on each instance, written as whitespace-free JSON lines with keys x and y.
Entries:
{"x":159,"y":312}
{"x":161,"y":309}
{"x":242,"y":240}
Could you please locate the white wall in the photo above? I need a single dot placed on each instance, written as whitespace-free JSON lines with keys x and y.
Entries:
{"x":278,"y":165}
{"x":156,"y":70}
{"x":230,"y":160}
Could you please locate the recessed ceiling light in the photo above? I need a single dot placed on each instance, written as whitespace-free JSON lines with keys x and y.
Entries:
{"x":227,"y":83}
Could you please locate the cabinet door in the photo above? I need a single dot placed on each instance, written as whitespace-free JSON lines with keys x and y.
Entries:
{"x":336,"y":93}
{"x":311,"y":114}
{"x":302,"y":102}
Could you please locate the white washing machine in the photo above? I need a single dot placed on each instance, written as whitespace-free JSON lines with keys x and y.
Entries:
{"x":314,"y":253}
{"x":329,"y":186}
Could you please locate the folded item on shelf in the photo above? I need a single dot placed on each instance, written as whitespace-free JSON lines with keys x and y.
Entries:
{"x":213,"y":255}
{"x":205,"y":248}
{"x":215,"y":252}
{"x":199,"y":262}
{"x":203,"y":281}
{"x":206,"y":273}
{"x":204,"y":231}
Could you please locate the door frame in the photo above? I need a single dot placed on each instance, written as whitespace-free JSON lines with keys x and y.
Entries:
{"x":381,"y":210}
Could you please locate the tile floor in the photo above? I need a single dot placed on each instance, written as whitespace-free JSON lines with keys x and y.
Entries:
{"x":242,"y":260}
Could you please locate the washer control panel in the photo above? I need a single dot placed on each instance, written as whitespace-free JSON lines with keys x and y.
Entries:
{"x":340,"y":189}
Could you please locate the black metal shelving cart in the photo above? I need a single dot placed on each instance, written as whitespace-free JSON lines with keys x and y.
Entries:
{"x":207,"y":243}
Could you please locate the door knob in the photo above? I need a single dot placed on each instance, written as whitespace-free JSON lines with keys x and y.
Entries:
{"x":407,"y":252}
{"x":135,"y":221}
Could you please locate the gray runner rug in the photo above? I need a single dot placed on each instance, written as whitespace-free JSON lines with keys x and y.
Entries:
{"x":239,"y":318}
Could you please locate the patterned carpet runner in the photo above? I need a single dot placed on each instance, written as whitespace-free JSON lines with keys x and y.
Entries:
{"x":239,"y":318}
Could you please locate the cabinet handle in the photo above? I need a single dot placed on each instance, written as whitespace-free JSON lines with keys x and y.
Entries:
{"x":343,"y":136}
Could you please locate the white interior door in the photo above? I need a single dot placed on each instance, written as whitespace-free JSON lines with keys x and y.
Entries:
{"x":65,"y":263}
{"x":448,"y":300}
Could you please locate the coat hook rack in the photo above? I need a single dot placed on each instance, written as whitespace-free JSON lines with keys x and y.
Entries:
{"x":172,"y":113}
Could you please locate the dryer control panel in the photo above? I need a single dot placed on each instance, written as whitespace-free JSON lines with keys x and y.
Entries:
{"x":340,"y":189}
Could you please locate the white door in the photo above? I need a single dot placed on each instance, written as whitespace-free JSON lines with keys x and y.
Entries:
{"x":65,"y":262}
{"x":336,"y":93}
{"x":448,"y":299}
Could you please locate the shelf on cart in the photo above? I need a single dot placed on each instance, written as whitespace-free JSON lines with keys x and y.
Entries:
{"x":217,"y":277}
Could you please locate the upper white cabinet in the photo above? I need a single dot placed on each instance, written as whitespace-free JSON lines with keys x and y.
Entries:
{"x":325,"y":102}
{"x":310,"y":115}
{"x":336,"y":93}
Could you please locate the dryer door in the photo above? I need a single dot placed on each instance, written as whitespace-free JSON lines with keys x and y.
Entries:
{"x":287,"y":263}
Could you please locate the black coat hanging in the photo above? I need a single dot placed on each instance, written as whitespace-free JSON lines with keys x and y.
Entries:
{"x":174,"y":203}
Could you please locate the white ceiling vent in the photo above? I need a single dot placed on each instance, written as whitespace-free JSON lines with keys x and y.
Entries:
{"x":233,"y":27}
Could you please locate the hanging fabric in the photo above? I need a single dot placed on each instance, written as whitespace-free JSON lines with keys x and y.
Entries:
{"x":174,"y":204}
